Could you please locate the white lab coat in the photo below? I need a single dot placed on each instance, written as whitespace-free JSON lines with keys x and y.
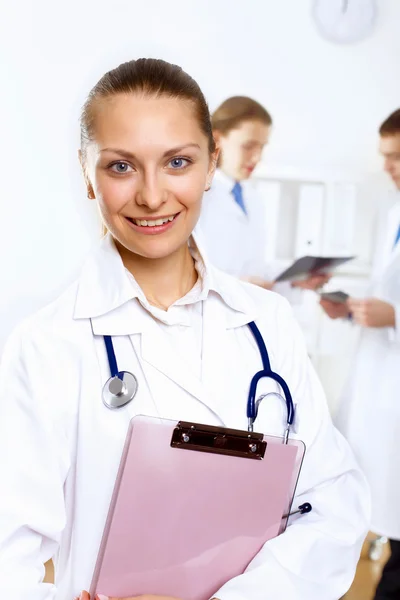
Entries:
{"x":235,"y":241}
{"x":61,"y":446}
{"x":369,"y":413}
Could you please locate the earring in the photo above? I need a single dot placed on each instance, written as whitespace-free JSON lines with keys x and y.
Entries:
{"x":90,"y":194}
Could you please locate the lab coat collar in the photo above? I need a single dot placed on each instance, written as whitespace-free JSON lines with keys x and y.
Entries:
{"x":106,"y":295}
{"x":224,"y":179}
{"x":229,"y":183}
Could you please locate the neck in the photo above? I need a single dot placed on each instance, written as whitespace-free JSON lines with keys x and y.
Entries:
{"x":228,"y":174}
{"x":163,"y":280}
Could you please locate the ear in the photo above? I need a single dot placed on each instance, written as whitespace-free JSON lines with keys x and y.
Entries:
{"x":212,"y":167}
{"x":89,"y":187}
{"x":217,"y":136}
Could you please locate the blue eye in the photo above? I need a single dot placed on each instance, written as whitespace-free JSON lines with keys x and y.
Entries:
{"x":179,"y":163}
{"x":120,"y":167}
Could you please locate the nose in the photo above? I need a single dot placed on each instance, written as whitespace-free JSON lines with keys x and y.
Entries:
{"x":388,"y":166}
{"x":151,"y":193}
{"x":256,"y":156}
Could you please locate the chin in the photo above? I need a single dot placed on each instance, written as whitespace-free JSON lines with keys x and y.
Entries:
{"x":155,"y":248}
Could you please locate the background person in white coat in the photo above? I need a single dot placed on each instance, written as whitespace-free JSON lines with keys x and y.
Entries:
{"x":180,"y":326}
{"x":369,"y":415}
{"x":233,"y":219}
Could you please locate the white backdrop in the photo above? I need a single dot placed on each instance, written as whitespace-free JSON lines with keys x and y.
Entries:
{"x":326,"y":100}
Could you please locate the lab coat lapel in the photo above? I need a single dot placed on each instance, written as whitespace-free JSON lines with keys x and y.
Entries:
{"x":158,"y":352}
{"x":391,"y":253}
{"x":215,"y":352}
{"x":147,"y":338}
{"x":219,"y":378}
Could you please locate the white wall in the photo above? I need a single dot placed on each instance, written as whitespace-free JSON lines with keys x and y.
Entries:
{"x":326,"y":100}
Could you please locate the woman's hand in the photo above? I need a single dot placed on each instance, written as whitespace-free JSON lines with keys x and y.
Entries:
{"x":267,"y":285}
{"x":85,"y":596}
{"x":372,"y":312}
{"x":314,"y":282}
{"x":334,"y":310}
{"x":143,"y":597}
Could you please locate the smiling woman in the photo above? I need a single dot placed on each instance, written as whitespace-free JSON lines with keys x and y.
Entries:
{"x":152,"y":181}
{"x":180,"y":327}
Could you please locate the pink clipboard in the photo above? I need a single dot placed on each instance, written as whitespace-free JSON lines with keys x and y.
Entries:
{"x":192,"y":505}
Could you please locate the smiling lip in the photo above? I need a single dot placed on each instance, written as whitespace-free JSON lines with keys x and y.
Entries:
{"x":152,"y":229}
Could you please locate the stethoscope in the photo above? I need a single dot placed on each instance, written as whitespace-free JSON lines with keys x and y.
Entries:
{"x":121,"y":388}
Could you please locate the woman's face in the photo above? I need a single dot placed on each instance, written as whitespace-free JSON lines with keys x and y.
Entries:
{"x":148,"y":166}
{"x":242,"y":148}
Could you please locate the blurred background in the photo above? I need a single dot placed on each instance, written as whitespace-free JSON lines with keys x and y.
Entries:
{"x":321,"y":173}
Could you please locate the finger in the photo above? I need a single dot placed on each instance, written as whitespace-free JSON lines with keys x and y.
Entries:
{"x":328,"y":304}
{"x":357,"y":308}
{"x":358,"y":316}
{"x":354,"y":301}
{"x":356,"y":304}
{"x":145,"y":597}
{"x":320,"y":279}
{"x":360,"y":319}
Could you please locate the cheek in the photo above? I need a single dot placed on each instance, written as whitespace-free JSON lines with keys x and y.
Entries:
{"x":229,"y":152}
{"x":244,"y":156}
{"x":113,"y":193}
{"x":188,"y":190}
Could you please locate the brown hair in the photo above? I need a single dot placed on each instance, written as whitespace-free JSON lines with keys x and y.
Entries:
{"x":391,"y":126}
{"x":150,"y":77}
{"x":235,"y":111}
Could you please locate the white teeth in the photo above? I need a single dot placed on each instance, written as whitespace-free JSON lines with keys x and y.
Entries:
{"x":155,"y":223}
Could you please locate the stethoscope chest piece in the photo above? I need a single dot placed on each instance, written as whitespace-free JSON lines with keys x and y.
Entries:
{"x":118,"y":391}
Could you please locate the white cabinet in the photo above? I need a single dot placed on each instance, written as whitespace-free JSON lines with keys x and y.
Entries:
{"x":306,"y":217}
{"x":328,"y":214}
{"x":309,"y":229}
{"x":340,"y":221}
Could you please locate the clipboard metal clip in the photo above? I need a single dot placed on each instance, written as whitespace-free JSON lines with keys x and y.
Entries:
{"x":207,"y":438}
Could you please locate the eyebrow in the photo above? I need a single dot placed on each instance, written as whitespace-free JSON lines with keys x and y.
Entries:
{"x":171,"y":152}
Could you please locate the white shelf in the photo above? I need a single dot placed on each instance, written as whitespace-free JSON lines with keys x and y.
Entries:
{"x":308,"y":174}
